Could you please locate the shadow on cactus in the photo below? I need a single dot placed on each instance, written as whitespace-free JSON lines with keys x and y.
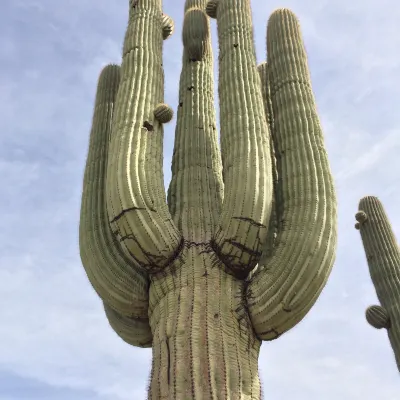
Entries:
{"x":246,"y":241}
{"x":383,"y":256}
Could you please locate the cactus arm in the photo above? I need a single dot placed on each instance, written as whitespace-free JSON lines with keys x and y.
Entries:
{"x":137,"y":208}
{"x":117,"y":280}
{"x":245,"y":149}
{"x":196,"y":189}
{"x":286,"y":286}
{"x":132,"y":330}
{"x":383,"y":256}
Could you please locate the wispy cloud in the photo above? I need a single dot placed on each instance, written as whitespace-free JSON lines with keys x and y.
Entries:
{"x":55,"y":340}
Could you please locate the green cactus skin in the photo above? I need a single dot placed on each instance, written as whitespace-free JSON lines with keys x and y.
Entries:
{"x":117,"y":279}
{"x":287,"y":284}
{"x":167,"y":26}
{"x":383,"y":257}
{"x":245,"y":243}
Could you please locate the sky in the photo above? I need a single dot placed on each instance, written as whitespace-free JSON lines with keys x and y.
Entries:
{"x":55,"y":340}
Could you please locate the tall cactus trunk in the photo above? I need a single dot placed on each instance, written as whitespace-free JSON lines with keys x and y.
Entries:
{"x":204,"y":346}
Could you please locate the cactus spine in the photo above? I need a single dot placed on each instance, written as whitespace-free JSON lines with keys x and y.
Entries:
{"x":247,"y":239}
{"x":383,"y":256}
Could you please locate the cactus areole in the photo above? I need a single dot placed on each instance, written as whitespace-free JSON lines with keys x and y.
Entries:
{"x":246,"y":241}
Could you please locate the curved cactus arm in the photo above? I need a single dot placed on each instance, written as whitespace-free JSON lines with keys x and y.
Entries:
{"x":383,"y":256}
{"x":196,"y":183}
{"x":134,"y":331}
{"x":117,"y":280}
{"x":245,"y":144}
{"x":286,"y":285}
{"x":136,"y":201}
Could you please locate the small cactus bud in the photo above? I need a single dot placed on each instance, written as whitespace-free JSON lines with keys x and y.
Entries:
{"x":361,"y":217}
{"x":211,"y":8}
{"x":377,"y":317}
{"x":357,"y":226}
{"x":167,"y":26}
{"x":163,"y":113}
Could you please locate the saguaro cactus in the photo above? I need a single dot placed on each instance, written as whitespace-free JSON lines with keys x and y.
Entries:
{"x":245,"y":244}
{"x":383,"y":256}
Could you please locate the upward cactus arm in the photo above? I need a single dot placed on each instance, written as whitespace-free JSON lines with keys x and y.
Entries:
{"x":383,"y":256}
{"x":135,"y":195}
{"x":244,"y":141}
{"x":196,"y":189}
{"x":288,"y":283}
{"x":120,"y":283}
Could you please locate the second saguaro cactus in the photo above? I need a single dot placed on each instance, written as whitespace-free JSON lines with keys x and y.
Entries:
{"x":246,"y":241}
{"x":383,"y":256}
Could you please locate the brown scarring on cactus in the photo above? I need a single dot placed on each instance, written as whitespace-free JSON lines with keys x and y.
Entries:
{"x":383,"y":256}
{"x":246,"y":242}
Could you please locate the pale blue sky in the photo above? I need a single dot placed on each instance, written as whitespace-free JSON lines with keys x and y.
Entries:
{"x":55,"y":340}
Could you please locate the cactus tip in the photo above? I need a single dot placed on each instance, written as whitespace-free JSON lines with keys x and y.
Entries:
{"x":368,"y":200}
{"x":282,"y":12}
{"x":195,"y":34}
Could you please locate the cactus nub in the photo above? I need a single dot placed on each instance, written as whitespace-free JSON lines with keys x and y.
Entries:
{"x":361,"y":217}
{"x":167,"y":26}
{"x":163,"y":113}
{"x":383,"y":257}
{"x":377,"y":317}
{"x":244,"y":243}
{"x":212,"y":8}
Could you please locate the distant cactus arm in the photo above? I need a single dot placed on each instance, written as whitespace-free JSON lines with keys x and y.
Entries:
{"x":383,"y":256}
{"x":136,"y":201}
{"x":245,"y":144}
{"x":196,"y":189}
{"x":119,"y":282}
{"x":287,"y":284}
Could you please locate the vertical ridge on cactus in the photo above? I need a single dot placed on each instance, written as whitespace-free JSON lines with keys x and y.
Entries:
{"x":117,"y":279}
{"x":280,"y":296}
{"x":383,"y":257}
{"x":246,"y":242}
{"x":245,"y":147}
